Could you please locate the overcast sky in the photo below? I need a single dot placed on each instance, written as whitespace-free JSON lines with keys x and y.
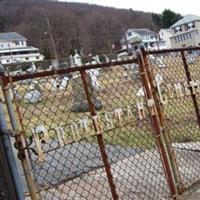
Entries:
{"x":181,"y":6}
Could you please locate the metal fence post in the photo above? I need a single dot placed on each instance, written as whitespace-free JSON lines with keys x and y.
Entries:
{"x":20,"y":141}
{"x":157,"y":127}
{"x":10,"y":156}
{"x":163,"y":123}
{"x":193,"y":96}
{"x":99,"y":137}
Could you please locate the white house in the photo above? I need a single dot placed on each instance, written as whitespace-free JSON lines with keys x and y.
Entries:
{"x":165,"y":35}
{"x":146,"y":36}
{"x":14,"y":49}
{"x":186,"y":32}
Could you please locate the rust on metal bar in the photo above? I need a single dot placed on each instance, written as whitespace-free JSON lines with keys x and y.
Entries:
{"x":157,"y":129}
{"x":172,"y":50}
{"x":99,"y":137}
{"x":20,"y":140}
{"x":163,"y":123}
{"x":68,"y":70}
{"x":193,"y":96}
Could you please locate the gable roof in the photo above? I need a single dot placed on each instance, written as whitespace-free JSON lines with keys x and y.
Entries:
{"x":166,"y":30}
{"x":11,"y":36}
{"x":186,"y":19}
{"x":143,"y":31}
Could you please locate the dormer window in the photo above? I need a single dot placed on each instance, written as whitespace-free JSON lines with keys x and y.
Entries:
{"x":191,"y":25}
{"x":178,"y":29}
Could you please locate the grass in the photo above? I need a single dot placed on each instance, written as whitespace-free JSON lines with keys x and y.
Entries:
{"x":116,"y":91}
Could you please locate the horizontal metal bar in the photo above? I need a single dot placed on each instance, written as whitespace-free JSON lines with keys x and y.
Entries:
{"x":68,"y":70}
{"x":172,"y":50}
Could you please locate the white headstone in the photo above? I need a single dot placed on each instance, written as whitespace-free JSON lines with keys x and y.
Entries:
{"x":55,"y":63}
{"x":54,"y":85}
{"x":77,"y":59}
{"x":64,"y":83}
{"x":160,"y":62}
{"x":140,"y":92}
{"x":97,"y":59}
{"x":158,"y":79}
{"x":71,"y":58}
{"x":33,"y":96}
{"x":33,"y":66}
{"x":94,"y":73}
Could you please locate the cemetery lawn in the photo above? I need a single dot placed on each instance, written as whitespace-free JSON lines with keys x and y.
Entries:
{"x":118,"y":90}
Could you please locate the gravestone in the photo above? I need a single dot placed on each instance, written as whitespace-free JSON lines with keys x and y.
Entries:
{"x":64,"y":83}
{"x":71,"y":59}
{"x":140,"y":92}
{"x":94,"y":73}
{"x":159,"y":79}
{"x":80,"y":103}
{"x":77,"y":59}
{"x":54,"y":85}
{"x":33,"y":95}
{"x":160,"y":62}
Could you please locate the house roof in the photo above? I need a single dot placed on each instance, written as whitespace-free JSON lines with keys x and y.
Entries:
{"x":143,"y":31}
{"x":166,"y":29}
{"x":18,"y":49}
{"x":11,"y":36}
{"x":186,"y":19}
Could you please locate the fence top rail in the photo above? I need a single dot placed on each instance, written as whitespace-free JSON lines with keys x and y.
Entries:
{"x":52,"y":72}
{"x":172,"y":50}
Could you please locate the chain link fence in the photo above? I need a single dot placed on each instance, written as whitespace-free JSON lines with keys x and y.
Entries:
{"x":178,"y":88}
{"x":126,"y":129}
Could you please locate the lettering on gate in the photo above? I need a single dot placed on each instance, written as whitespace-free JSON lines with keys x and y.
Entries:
{"x":90,"y":126}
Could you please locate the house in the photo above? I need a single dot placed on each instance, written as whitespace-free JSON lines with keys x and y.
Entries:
{"x":164,"y":38}
{"x":14,"y":49}
{"x":186,"y":32}
{"x":139,"y":35}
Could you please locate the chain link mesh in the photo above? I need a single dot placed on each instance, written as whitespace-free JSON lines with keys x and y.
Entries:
{"x":62,"y":125}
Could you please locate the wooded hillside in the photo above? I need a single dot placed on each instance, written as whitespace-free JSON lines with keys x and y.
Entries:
{"x":91,"y":28}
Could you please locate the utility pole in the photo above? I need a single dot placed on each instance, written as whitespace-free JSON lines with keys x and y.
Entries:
{"x":155,"y":30}
{"x":52,"y":39}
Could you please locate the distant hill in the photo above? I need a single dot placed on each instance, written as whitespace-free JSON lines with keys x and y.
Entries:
{"x":91,"y":28}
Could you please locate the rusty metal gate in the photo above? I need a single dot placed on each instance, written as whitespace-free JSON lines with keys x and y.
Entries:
{"x":128,"y":129}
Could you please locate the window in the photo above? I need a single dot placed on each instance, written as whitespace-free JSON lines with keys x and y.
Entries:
{"x":37,"y":57}
{"x":184,"y":37}
{"x":27,"y":58}
{"x":191,"y":25}
{"x":178,"y":29}
{"x":17,"y":43}
{"x":7,"y":61}
{"x":152,"y":37}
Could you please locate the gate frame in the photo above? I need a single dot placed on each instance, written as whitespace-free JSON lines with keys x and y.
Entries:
{"x":158,"y":121}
